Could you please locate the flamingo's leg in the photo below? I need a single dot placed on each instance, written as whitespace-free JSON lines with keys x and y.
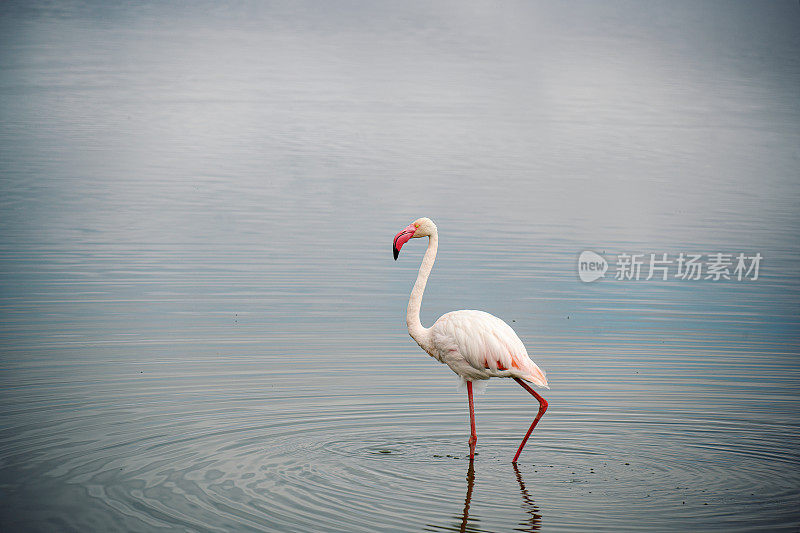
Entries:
{"x":473,"y":438}
{"x":542,"y":409}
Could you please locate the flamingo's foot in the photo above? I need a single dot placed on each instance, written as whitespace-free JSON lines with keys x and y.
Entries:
{"x":473,"y":441}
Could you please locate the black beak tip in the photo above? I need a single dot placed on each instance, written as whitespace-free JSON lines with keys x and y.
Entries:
{"x":396,"y":252}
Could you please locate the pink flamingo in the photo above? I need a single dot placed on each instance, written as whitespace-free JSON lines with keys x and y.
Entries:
{"x":474,"y":344}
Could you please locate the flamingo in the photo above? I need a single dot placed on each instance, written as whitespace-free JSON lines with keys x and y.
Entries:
{"x":474,"y":344}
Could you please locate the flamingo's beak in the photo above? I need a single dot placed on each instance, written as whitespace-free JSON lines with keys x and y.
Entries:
{"x":401,"y":238}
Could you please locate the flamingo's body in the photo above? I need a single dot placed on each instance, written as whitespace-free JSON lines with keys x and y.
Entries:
{"x":474,"y":344}
{"x":477,"y":345}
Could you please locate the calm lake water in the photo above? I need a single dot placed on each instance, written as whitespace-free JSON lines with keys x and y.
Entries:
{"x":202,"y":327}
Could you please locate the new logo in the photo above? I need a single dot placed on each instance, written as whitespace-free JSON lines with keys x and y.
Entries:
{"x":591,"y":266}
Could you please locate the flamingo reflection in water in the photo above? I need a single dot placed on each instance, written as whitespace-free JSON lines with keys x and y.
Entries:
{"x":532,"y":523}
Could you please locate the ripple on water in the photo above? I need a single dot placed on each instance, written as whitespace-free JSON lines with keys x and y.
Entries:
{"x":235,"y":466}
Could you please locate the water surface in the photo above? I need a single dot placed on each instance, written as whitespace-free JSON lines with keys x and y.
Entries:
{"x":203,"y":328}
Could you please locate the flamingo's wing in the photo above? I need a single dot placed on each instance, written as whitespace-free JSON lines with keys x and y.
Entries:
{"x":487,"y":343}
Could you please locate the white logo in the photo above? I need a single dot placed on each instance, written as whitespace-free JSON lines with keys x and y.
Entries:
{"x":591,"y":266}
{"x":734,"y":266}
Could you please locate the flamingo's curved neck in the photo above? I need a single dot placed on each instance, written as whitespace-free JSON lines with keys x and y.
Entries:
{"x":415,"y":328}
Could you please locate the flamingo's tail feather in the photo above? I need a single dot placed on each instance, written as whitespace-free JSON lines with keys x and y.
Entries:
{"x":536,"y":375}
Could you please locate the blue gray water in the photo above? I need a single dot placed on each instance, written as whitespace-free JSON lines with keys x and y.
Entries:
{"x":202,"y":327}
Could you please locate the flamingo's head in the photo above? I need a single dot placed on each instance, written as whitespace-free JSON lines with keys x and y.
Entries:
{"x":422,"y":227}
